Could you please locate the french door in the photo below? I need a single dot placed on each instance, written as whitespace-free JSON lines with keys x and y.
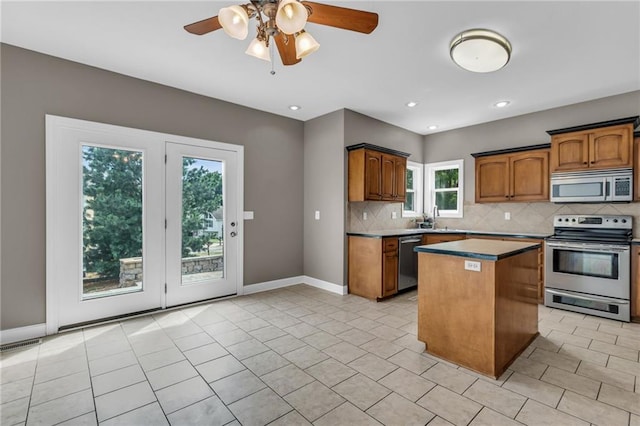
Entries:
{"x":137,"y":221}
{"x":200,"y":264}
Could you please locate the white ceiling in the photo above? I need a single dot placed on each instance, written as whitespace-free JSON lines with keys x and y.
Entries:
{"x":563,"y":53}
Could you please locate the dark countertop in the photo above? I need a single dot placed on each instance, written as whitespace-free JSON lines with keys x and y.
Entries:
{"x":419,"y":231}
{"x":479,"y":249}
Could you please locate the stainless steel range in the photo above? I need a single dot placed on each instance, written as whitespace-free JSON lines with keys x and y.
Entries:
{"x":588,"y":265}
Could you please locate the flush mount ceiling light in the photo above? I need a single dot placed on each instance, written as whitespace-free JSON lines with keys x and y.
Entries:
{"x":283,"y":21}
{"x":480,"y":50}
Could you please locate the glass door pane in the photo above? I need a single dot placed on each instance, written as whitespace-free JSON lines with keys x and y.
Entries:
{"x":202,"y":220}
{"x":112,"y":213}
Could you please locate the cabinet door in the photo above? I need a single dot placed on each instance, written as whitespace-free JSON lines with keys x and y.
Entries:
{"x":529,"y":176}
{"x":636,"y":168}
{"x":400,"y":179}
{"x":611,"y":147}
{"x":443,"y":238}
{"x":388,"y":177}
{"x":570,"y":151}
{"x":390,"y":273}
{"x":372,"y":175}
{"x":492,"y":179}
{"x":635,"y":282}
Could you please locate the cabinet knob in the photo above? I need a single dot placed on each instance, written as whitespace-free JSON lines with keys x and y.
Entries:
{"x":585,"y":162}
{"x":592,"y":162}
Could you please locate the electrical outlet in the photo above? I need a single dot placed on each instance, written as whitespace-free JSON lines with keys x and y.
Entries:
{"x":470,"y":265}
{"x":394,"y":215}
{"x":507,"y":215}
{"x":317,"y":214}
{"x":364,"y":215}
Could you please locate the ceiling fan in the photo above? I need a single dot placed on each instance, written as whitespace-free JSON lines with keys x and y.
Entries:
{"x":284,"y":21}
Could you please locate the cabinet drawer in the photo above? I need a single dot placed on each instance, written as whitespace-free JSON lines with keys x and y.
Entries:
{"x":389,"y":244}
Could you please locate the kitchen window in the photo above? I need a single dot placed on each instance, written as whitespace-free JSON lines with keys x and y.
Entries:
{"x":412,"y":207}
{"x":444,"y":187}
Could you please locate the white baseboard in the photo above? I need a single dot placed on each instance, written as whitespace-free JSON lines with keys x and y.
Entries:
{"x":272,"y":285}
{"x":325,"y":285}
{"x":22,"y":333}
{"x":300,"y":279}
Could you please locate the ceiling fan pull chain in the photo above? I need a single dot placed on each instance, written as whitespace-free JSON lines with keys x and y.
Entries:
{"x":273,"y":71}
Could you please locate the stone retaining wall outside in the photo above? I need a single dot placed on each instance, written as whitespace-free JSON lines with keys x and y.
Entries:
{"x":131,"y":268}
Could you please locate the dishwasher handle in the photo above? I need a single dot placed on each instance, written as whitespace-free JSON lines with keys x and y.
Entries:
{"x":410,"y":240}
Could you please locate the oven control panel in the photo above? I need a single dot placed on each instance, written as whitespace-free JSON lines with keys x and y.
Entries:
{"x":592,"y":221}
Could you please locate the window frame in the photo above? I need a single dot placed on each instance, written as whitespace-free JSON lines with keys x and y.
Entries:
{"x":430,"y":190}
{"x":417,"y":170}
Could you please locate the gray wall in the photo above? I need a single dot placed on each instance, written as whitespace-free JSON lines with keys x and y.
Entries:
{"x":529,"y":129}
{"x":360,"y":128}
{"x":324,"y":191}
{"x":33,"y":85}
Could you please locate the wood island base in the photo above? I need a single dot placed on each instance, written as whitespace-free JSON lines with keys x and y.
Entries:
{"x":474,"y":310}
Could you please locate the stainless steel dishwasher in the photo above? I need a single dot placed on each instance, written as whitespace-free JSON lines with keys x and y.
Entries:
{"x":408,"y":262}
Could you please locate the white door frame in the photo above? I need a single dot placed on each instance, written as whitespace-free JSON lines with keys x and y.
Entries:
{"x":53,"y":125}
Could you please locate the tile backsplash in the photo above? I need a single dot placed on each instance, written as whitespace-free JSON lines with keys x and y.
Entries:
{"x":535,"y":218}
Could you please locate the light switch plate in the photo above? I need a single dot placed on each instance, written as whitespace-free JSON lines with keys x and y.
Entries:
{"x":507,"y":215}
{"x":364,"y":215}
{"x":248,"y":215}
{"x":317,"y":216}
{"x":470,"y":265}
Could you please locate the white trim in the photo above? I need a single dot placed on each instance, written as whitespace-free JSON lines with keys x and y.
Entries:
{"x":418,"y":181}
{"x":22,"y":333}
{"x":300,"y":279}
{"x":326,"y":285}
{"x":272,"y":285}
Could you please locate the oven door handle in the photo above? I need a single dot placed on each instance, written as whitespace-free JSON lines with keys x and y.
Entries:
{"x":591,"y":247}
{"x":593,"y":298}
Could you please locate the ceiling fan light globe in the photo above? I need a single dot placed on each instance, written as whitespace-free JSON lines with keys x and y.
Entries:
{"x":258,"y":49}
{"x":305,"y":45}
{"x":234,"y":21}
{"x":291,"y":16}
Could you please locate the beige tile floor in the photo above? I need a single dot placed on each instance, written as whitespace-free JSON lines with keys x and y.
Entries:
{"x":300,"y":355}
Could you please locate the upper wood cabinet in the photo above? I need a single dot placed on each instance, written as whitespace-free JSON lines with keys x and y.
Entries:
{"x":636,"y":166}
{"x":376,"y":174}
{"x":595,"y":146}
{"x":518,"y":176}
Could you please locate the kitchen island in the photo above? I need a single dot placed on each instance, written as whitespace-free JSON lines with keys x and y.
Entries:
{"x":477,"y":301}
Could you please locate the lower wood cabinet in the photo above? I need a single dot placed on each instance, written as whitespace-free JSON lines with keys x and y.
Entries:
{"x":373,"y":266}
{"x":441,"y":238}
{"x":635,"y":283}
{"x":540,"y":294}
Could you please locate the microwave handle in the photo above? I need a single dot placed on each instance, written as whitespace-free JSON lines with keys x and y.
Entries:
{"x":607,"y":188}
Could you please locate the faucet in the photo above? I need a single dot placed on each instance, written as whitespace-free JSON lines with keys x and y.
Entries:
{"x":435,"y":213}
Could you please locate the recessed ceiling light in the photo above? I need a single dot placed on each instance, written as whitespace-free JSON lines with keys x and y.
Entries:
{"x":432,"y":127}
{"x":501,"y":104}
{"x":294,"y":107}
{"x":411,"y":104}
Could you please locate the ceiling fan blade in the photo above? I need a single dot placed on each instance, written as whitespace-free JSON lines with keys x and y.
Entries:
{"x":342,"y":17}
{"x":286,"y":48}
{"x":203,"y":27}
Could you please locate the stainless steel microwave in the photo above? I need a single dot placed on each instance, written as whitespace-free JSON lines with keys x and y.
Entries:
{"x":615,"y":185}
